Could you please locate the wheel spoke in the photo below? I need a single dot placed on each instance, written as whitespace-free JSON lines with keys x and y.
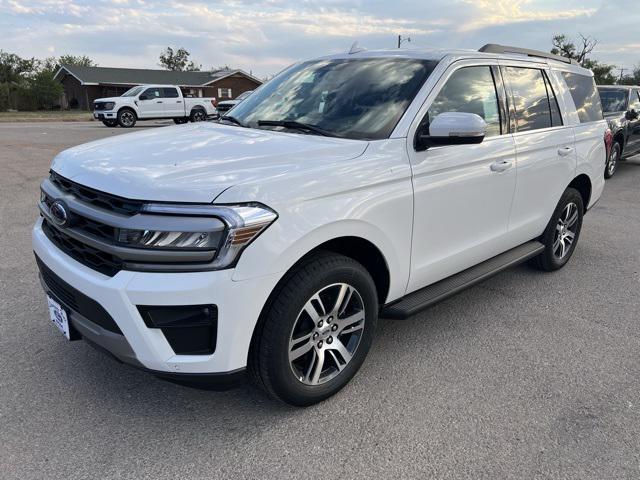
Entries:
{"x":317,"y":368}
{"x":350,"y":321}
{"x":299,"y":346}
{"x":345,"y":292}
{"x":339,"y":347}
{"x":312,"y":311}
{"x":563,"y":248}
{"x":573,"y":219}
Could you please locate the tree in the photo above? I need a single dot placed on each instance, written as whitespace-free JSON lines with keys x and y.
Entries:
{"x":178,"y":60}
{"x":45,"y":91}
{"x":77,"y":60}
{"x":13,"y":69}
{"x":633,"y":79}
{"x":602,"y":73}
{"x":562,"y":45}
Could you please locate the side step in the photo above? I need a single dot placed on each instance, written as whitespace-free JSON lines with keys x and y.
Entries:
{"x":419,"y":300}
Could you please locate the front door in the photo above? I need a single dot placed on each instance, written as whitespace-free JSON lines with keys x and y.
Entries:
{"x":151,"y":104}
{"x":462,"y":193}
{"x":633,"y":128}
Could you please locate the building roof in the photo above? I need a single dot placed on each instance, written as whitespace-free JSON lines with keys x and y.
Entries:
{"x":139,"y":76}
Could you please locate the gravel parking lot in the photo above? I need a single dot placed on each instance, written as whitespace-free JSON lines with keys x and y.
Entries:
{"x":528,"y":375}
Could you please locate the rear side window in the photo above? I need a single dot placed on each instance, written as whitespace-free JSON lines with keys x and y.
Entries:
{"x":529,"y":91}
{"x":613,"y":100}
{"x":585,"y":96}
{"x":170,"y":93}
{"x":470,"y":90}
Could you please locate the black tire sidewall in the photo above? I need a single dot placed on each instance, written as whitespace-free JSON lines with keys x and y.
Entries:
{"x":195,"y":112}
{"x":549,"y":259}
{"x":283,"y":381}
{"x":121,"y":112}
{"x":616,"y":146}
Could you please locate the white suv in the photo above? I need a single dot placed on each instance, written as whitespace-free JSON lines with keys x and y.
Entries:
{"x":349,"y":187}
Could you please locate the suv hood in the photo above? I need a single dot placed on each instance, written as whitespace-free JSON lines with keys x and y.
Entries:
{"x":108,"y":99}
{"x":197,"y":162}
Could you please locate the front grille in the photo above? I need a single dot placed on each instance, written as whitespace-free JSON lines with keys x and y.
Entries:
{"x":97,"y":198}
{"x":91,"y":257}
{"x":75,"y":300}
{"x":224,"y":108}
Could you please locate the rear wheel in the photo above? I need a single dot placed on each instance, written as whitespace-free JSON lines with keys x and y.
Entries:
{"x":316,"y":332}
{"x":561,"y":235}
{"x":126,"y":118}
{"x":198,"y":115}
{"x":614,"y":158}
{"x":110,"y":123}
{"x":180,"y":120}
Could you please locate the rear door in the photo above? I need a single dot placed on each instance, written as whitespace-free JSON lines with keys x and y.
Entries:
{"x":173,"y":104}
{"x":545,"y":148}
{"x":152,"y":105}
{"x":633,"y":141}
{"x":462,"y":193}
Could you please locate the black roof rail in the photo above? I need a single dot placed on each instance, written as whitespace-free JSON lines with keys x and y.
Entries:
{"x":495,"y":48}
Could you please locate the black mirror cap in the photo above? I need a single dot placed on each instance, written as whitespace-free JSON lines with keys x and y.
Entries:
{"x":143,"y":97}
{"x":423,"y":140}
{"x":632,"y":114}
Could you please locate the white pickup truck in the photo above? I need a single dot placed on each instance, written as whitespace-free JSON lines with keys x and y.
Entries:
{"x":148,"y":102}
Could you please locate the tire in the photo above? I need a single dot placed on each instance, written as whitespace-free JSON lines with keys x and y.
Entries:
{"x":127,"y":118}
{"x":294,"y":312}
{"x":612,"y":162}
{"x":180,"y":120}
{"x":110,"y":123}
{"x":198,"y":115}
{"x":562,"y":233}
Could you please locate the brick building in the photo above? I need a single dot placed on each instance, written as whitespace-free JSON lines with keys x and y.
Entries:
{"x":82,"y":85}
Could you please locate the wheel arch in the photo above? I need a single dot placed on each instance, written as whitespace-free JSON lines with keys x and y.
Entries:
{"x":619,"y":138}
{"x":127,"y":107}
{"x":582,"y":183}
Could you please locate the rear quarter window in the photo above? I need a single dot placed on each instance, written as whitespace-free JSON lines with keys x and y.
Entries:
{"x":585,"y":96}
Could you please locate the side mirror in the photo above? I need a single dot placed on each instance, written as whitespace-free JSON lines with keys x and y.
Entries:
{"x":143,"y":96}
{"x":631,"y":114}
{"x":451,"y":128}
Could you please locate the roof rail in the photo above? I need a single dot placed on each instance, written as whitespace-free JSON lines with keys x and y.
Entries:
{"x":495,"y":48}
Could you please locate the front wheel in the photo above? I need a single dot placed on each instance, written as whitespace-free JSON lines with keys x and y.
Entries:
{"x":317,"y":330}
{"x":614,"y":158}
{"x":126,"y":118}
{"x":561,"y":235}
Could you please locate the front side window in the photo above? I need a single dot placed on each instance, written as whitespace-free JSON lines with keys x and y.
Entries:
{"x":585,"y":96}
{"x":152,"y":93}
{"x":470,"y":90}
{"x":529,"y":93}
{"x":360,"y":98}
{"x":634,"y":103}
{"x":613,"y":100}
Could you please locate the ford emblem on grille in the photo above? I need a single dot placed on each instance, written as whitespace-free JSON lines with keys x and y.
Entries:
{"x":59,"y":213}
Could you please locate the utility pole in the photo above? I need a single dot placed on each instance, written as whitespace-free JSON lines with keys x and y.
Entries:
{"x":402,"y":40}
{"x":621,"y":72}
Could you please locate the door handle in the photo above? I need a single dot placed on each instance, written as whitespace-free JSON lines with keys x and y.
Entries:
{"x":565,"y":151}
{"x":179,"y":101}
{"x":501,"y":165}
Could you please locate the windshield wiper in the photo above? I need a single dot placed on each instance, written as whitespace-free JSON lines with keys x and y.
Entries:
{"x":296,"y":125}
{"x":232,"y":119}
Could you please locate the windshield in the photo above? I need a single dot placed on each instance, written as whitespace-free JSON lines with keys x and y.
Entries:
{"x":351,"y":98}
{"x":244,"y":95}
{"x":613,"y":100}
{"x":132,"y":92}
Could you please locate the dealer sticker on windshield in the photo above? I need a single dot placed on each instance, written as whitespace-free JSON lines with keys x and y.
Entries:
{"x":59,"y":317}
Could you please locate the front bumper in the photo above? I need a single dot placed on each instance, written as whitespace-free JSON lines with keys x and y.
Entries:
{"x":105,"y":115}
{"x":239,"y":305}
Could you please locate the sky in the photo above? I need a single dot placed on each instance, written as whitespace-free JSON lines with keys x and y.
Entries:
{"x":265,"y":36}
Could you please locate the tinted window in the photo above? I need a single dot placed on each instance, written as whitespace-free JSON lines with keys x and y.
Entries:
{"x":634,"y":103}
{"x":556,"y":118}
{"x":470,"y":90}
{"x":613,"y":100}
{"x":585,"y":96}
{"x":355,"y":98}
{"x":152,"y":92}
{"x":170,"y":93}
{"x":530,"y":98}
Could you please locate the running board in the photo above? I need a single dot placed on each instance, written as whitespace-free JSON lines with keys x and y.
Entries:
{"x":419,"y":300}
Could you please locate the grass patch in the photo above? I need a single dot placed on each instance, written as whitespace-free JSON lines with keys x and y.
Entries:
{"x":44,"y":116}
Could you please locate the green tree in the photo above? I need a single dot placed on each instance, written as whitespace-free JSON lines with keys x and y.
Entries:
{"x":564,"y":46}
{"x":632,"y":79}
{"x":45,"y":91}
{"x":602,"y":73}
{"x":14,"y":69}
{"x":178,"y":60}
{"x":77,"y":60}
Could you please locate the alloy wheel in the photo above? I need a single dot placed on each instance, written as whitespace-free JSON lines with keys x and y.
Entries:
{"x":127,"y":119}
{"x":326,"y":334}
{"x":565,"y":230}
{"x":613,"y":162}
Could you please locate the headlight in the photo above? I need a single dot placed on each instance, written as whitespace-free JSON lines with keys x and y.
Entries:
{"x":232,"y":228}
{"x":109,"y":105}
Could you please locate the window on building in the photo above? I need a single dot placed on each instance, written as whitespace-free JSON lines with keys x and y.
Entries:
{"x":470,"y":90}
{"x":225,"y":93}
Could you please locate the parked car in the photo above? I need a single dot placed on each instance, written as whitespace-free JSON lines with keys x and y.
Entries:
{"x":226,"y":105}
{"x":353,"y":186}
{"x":151,"y":102}
{"x":621,"y":106}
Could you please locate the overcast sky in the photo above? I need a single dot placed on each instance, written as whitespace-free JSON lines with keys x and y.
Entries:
{"x":265,"y":36}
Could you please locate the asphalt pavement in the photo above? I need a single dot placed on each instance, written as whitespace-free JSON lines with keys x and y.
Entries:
{"x":528,"y":375}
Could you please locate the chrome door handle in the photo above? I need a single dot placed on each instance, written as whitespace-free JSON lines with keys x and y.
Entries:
{"x":564,"y":151}
{"x":501,"y":165}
